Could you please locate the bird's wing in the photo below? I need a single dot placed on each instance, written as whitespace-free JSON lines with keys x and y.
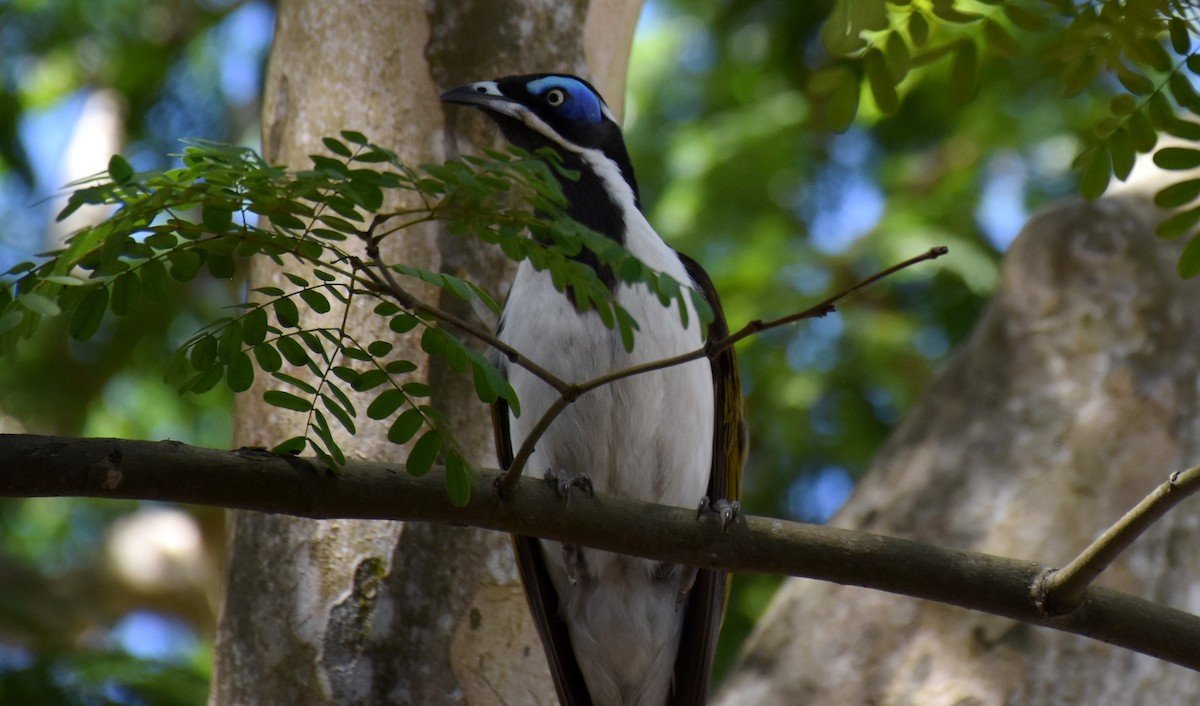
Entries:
{"x":540,"y":592}
{"x":705,"y":607}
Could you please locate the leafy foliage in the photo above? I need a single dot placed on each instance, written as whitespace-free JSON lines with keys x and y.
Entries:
{"x":226,"y":204}
{"x":1147,"y":49}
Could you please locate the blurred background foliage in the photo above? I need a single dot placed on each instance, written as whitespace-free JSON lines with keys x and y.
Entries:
{"x":792,"y":147}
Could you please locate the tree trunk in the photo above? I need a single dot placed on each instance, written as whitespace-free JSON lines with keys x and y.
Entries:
{"x":350,"y":612}
{"x":1074,"y":397}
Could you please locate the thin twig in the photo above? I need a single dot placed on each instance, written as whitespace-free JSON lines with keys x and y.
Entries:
{"x":1061,"y":590}
{"x":385,"y":282}
{"x":508,"y":481}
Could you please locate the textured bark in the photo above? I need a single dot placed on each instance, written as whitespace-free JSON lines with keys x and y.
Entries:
{"x":352,"y":612}
{"x":1075,"y":395}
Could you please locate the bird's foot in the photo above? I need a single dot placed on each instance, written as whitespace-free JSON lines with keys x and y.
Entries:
{"x":564,"y":483}
{"x":574,"y":563}
{"x":725,"y":510}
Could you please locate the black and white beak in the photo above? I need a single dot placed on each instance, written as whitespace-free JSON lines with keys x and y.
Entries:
{"x":485,"y":95}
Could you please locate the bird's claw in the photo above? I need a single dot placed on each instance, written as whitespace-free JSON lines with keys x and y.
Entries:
{"x":563,"y":483}
{"x":725,"y":510}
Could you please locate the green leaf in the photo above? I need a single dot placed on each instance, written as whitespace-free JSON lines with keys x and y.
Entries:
{"x":221,"y":266}
{"x":1181,"y":40}
{"x":1177,"y":158}
{"x":403,"y":323}
{"x":1142,"y":134}
{"x":254,"y":326}
{"x":1025,"y":17}
{"x":405,"y":426}
{"x":1184,"y":129}
{"x":286,"y":312}
{"x":1122,"y":104}
{"x":386,"y":404}
{"x":291,"y":447}
{"x":1133,"y":81}
{"x":356,"y":354}
{"x":386,"y":308}
{"x":231,"y":341}
{"x":879,"y":78}
{"x":336,"y":147}
{"x":380,"y":349}
{"x":296,"y":382}
{"x":424,"y":453}
{"x":369,"y":379}
{"x":1178,"y":194}
{"x":203,"y":354}
{"x":126,"y":290}
{"x":216,"y":218}
{"x":204,"y":381}
{"x":321,"y":428}
{"x":185,"y":264}
{"x":999,"y":40}
{"x":267,"y":357}
{"x":354,"y":137}
{"x":119,"y":170}
{"x":842,"y":104}
{"x":1184,"y":93}
{"x":432,"y":341}
{"x":1189,"y":261}
{"x":458,"y":479}
{"x":400,"y":367}
{"x":85,"y":320}
{"x":1120,"y":147}
{"x":286,"y":400}
{"x":1162,"y":114}
{"x":292,"y":351}
{"x":946,"y":10}
{"x":239,"y":376}
{"x":898,"y":56}
{"x":918,"y":28}
{"x":483,"y":387}
{"x":417,"y":389}
{"x":39,"y":304}
{"x":1180,"y":223}
{"x":340,"y":414}
{"x":964,"y":71}
{"x":315,"y":300}
{"x":1096,"y":173}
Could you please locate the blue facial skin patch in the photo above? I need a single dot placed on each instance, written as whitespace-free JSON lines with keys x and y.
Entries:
{"x":581,"y":104}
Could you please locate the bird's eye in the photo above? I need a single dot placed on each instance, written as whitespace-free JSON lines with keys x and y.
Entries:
{"x":555,"y":97}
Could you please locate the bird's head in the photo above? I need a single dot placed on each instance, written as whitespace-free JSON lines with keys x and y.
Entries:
{"x":559,"y":111}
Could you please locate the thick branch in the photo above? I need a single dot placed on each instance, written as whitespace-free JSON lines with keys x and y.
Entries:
{"x":256,"y":480}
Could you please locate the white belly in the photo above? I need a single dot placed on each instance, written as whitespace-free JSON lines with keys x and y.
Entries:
{"x":648,"y":437}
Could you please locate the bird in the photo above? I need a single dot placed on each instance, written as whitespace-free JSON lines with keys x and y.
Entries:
{"x":618,"y":630}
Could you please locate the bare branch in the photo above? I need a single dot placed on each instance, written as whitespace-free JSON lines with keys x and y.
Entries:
{"x":507,"y":483}
{"x":40,"y":466}
{"x":386,"y":283}
{"x":1062,"y":590}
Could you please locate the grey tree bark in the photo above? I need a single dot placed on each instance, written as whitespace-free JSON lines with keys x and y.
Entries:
{"x":351,"y":612}
{"x":1076,"y":394}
